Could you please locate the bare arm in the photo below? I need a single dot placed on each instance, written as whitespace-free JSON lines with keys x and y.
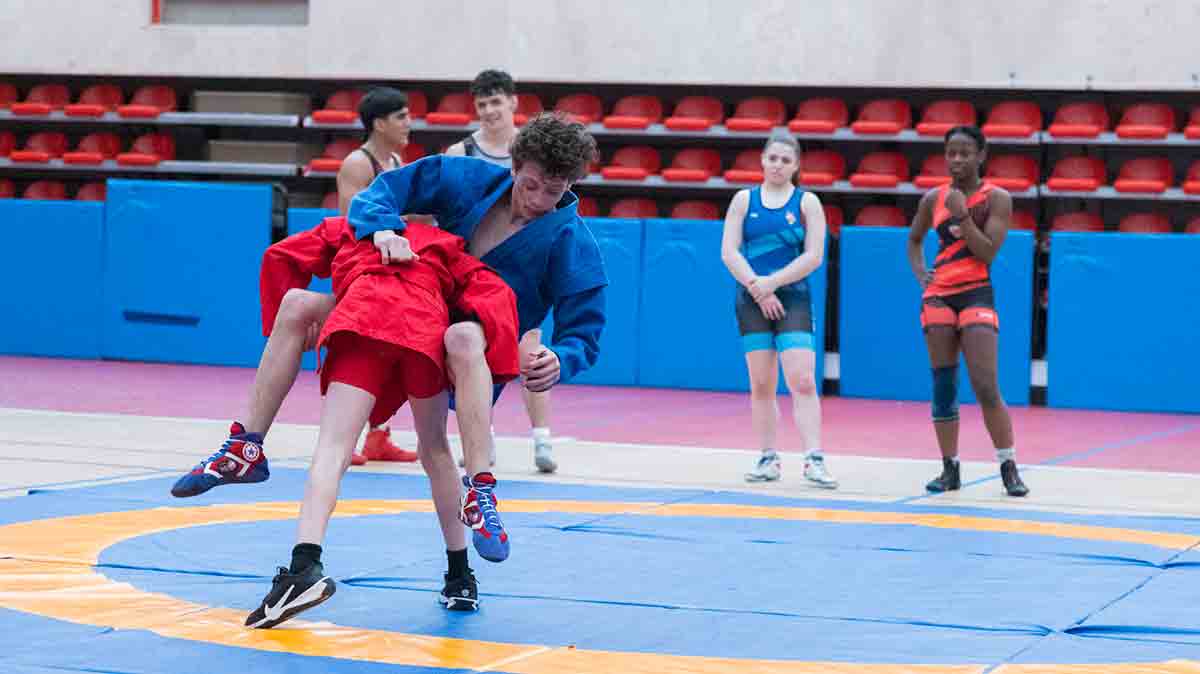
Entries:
{"x":921,"y":223}
{"x":814,"y":245}
{"x":355,"y":176}
{"x":731,"y":240}
{"x":457,"y":150}
{"x":985,"y":243}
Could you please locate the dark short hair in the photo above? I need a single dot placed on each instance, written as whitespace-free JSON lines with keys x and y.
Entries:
{"x":971,"y":132}
{"x":378,"y":103}
{"x":492,"y":82}
{"x":563,"y":148}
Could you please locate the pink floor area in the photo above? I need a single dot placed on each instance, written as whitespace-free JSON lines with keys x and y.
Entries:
{"x":1161,"y":442}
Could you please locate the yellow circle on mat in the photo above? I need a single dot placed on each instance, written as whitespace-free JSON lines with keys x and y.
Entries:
{"x":48,"y":571}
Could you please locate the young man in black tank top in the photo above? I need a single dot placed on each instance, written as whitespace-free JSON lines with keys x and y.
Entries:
{"x":495,"y":96}
{"x":384,"y":115}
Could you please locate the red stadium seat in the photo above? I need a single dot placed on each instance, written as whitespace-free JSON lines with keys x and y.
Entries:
{"x":8,"y":141}
{"x":747,"y":168}
{"x":456,"y":109}
{"x":149,"y":102}
{"x":333,"y":155}
{"x":41,"y":147}
{"x":330,"y":202}
{"x":1192,"y":131}
{"x":1013,"y":119}
{"x":834,"y":219}
{"x":696,"y":209}
{"x":693,"y":165}
{"x":634,"y":162}
{"x":880,"y":216}
{"x":588,"y":208}
{"x":418,"y":104}
{"x":412,"y":152}
{"x":8,"y":95}
{"x":634,"y":112}
{"x":42,"y":100}
{"x":1077,"y":174}
{"x":1080,"y":221}
{"x":634,"y":208}
{"x":1145,"y":223}
{"x":148,"y":150}
{"x":760,"y":113}
{"x":97,"y":191}
{"x":340,"y":108}
{"x":820,"y":115}
{"x":821,"y":167}
{"x":94,"y":148}
{"x":1080,"y":120}
{"x":1145,"y":174}
{"x":46,"y":190}
{"x":1191,"y":184}
{"x":1023,"y":220}
{"x":881,"y":169}
{"x":886,"y":116}
{"x":7,"y":189}
{"x":528,"y":107}
{"x":933,"y":172}
{"x":1013,"y":172}
{"x":95,"y":101}
{"x":696,"y":113}
{"x":941,"y":116}
{"x":1147,"y":120}
{"x":1193,"y":227}
{"x":586,"y":108}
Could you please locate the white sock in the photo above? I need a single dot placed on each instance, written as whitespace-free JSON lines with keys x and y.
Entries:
{"x":541,"y":433}
{"x":1006,"y":454}
{"x":954,"y":459}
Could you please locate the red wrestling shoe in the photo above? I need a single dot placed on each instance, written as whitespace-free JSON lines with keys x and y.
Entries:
{"x":379,"y":447}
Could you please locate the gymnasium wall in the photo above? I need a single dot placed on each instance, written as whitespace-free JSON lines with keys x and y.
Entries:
{"x":1069,"y":44}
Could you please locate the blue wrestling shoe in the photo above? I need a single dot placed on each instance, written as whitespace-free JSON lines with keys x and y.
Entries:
{"x":240,"y":459}
{"x":480,"y":514}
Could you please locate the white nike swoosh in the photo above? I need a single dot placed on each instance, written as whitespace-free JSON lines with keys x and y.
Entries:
{"x":273,"y":612}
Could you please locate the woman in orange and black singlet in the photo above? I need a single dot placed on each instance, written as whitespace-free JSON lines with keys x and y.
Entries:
{"x":958,"y":311}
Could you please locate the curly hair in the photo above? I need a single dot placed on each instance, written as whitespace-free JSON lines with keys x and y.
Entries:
{"x":970,"y":131}
{"x":492,"y":82}
{"x":563,"y":148}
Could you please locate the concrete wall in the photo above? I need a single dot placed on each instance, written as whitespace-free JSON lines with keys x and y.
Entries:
{"x":1118,"y":44}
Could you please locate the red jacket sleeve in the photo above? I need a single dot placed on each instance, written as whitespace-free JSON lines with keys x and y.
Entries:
{"x":292,"y":263}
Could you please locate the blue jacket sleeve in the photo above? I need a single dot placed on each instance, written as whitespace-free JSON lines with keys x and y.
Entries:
{"x":578,"y":323}
{"x":424,"y":186}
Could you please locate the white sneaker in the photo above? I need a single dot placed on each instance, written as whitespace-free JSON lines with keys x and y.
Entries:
{"x":815,"y":472}
{"x":768,"y":469}
{"x":543,"y":456}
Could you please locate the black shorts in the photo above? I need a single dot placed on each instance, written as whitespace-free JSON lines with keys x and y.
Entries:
{"x":974,"y":307}
{"x":793,"y":331}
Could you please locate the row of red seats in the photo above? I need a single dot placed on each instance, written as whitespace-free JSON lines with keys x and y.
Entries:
{"x":335,"y":153}
{"x":1148,"y":175}
{"x":52,"y":190}
{"x":94,"y":148}
{"x":815,"y":115}
{"x":94,"y":101}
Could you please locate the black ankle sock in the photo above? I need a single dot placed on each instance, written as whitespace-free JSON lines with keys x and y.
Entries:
{"x":457,"y":560}
{"x":304,"y":555}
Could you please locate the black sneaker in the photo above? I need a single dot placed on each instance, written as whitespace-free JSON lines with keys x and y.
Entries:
{"x":1012,"y":480}
{"x":292,"y":593}
{"x":949,"y":480}
{"x":460,"y":594}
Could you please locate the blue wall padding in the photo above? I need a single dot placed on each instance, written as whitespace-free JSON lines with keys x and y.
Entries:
{"x":1124,"y":316}
{"x":302,"y":220}
{"x":689,"y":331}
{"x":53,"y":258}
{"x":881,"y":345}
{"x":621,"y":246}
{"x":181,"y":271}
